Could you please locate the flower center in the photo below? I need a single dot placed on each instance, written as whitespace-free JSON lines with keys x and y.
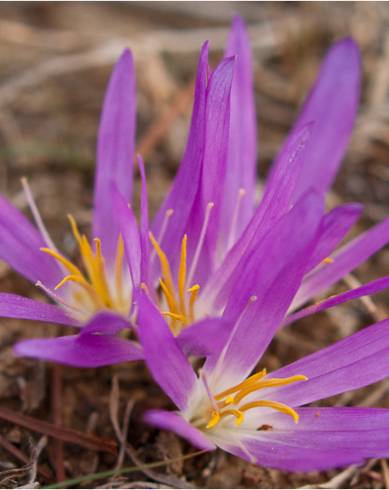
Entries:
{"x":180,"y":301}
{"x":94,"y":289}
{"x":229,"y":402}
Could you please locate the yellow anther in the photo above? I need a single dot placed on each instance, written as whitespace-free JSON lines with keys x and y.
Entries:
{"x":328,"y":260}
{"x":71,"y":267}
{"x":84,"y":284}
{"x":75,"y":229}
{"x":169,"y":297}
{"x":217,"y":416}
{"x":234,"y":395}
{"x":166,"y":272}
{"x":214,"y":420}
{"x":267,"y":383}
{"x":194,"y":291}
{"x":94,"y":282}
{"x":247,"y":382}
{"x":177,"y":301}
{"x":280,"y":407}
{"x":182,"y":276}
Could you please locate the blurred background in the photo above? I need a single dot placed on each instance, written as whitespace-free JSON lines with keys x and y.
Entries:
{"x":55,"y":60}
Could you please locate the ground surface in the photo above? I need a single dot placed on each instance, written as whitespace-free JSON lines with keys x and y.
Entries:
{"x":54,"y":62}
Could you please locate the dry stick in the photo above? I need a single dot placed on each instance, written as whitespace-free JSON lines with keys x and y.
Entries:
{"x":158,"y":129}
{"x":71,"y":436}
{"x":8,"y":446}
{"x":56,"y":406}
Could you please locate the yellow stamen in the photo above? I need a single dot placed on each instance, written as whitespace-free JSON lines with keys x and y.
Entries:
{"x":69,"y":266}
{"x":268,"y":383}
{"x":194,"y":291}
{"x":280,"y":407}
{"x":84,"y":284}
{"x":95,"y":280}
{"x":328,"y":260}
{"x":182,"y":276}
{"x":169,"y":297}
{"x":234,"y":395}
{"x":214,"y":420}
{"x":247,"y":382}
{"x":177,"y":301}
{"x":166,"y":272}
{"x":101,"y":282}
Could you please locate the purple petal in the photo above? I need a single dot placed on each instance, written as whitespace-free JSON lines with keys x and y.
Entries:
{"x":14,"y":306}
{"x":289,"y":457}
{"x":335,"y":225}
{"x":241,"y":166}
{"x":129,"y":231}
{"x":267,"y":281}
{"x":20,"y":244}
{"x":185,"y":186}
{"x":345,"y":259}
{"x":106,"y":323}
{"x":214,"y":168}
{"x":115,"y":150}
{"x":324,"y":438}
{"x":365,"y":290}
{"x":332,"y":104}
{"x":175,"y":423}
{"x":204,"y":337}
{"x":87,"y":350}
{"x":164,"y":358}
{"x":277,"y":201}
{"x":351,"y":363}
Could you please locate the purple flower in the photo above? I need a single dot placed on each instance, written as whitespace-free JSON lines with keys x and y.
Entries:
{"x":208,"y":226}
{"x":259,"y":417}
{"x":97,"y":296}
{"x":190,"y":259}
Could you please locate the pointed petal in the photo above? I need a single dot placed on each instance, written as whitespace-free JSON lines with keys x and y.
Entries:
{"x":175,"y":423}
{"x":87,"y":351}
{"x":204,"y":337}
{"x":214,"y":171}
{"x":345,"y":259}
{"x":332,"y":104}
{"x":182,"y":195}
{"x":323,"y":438}
{"x":368,"y":289}
{"x":20,"y":244}
{"x":166,"y":361}
{"x":277,"y":201}
{"x":351,"y":363}
{"x":14,"y":306}
{"x":115,"y":150}
{"x":128,"y":228}
{"x":241,"y":165}
{"x":336,"y":224}
{"x":267,"y":282}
